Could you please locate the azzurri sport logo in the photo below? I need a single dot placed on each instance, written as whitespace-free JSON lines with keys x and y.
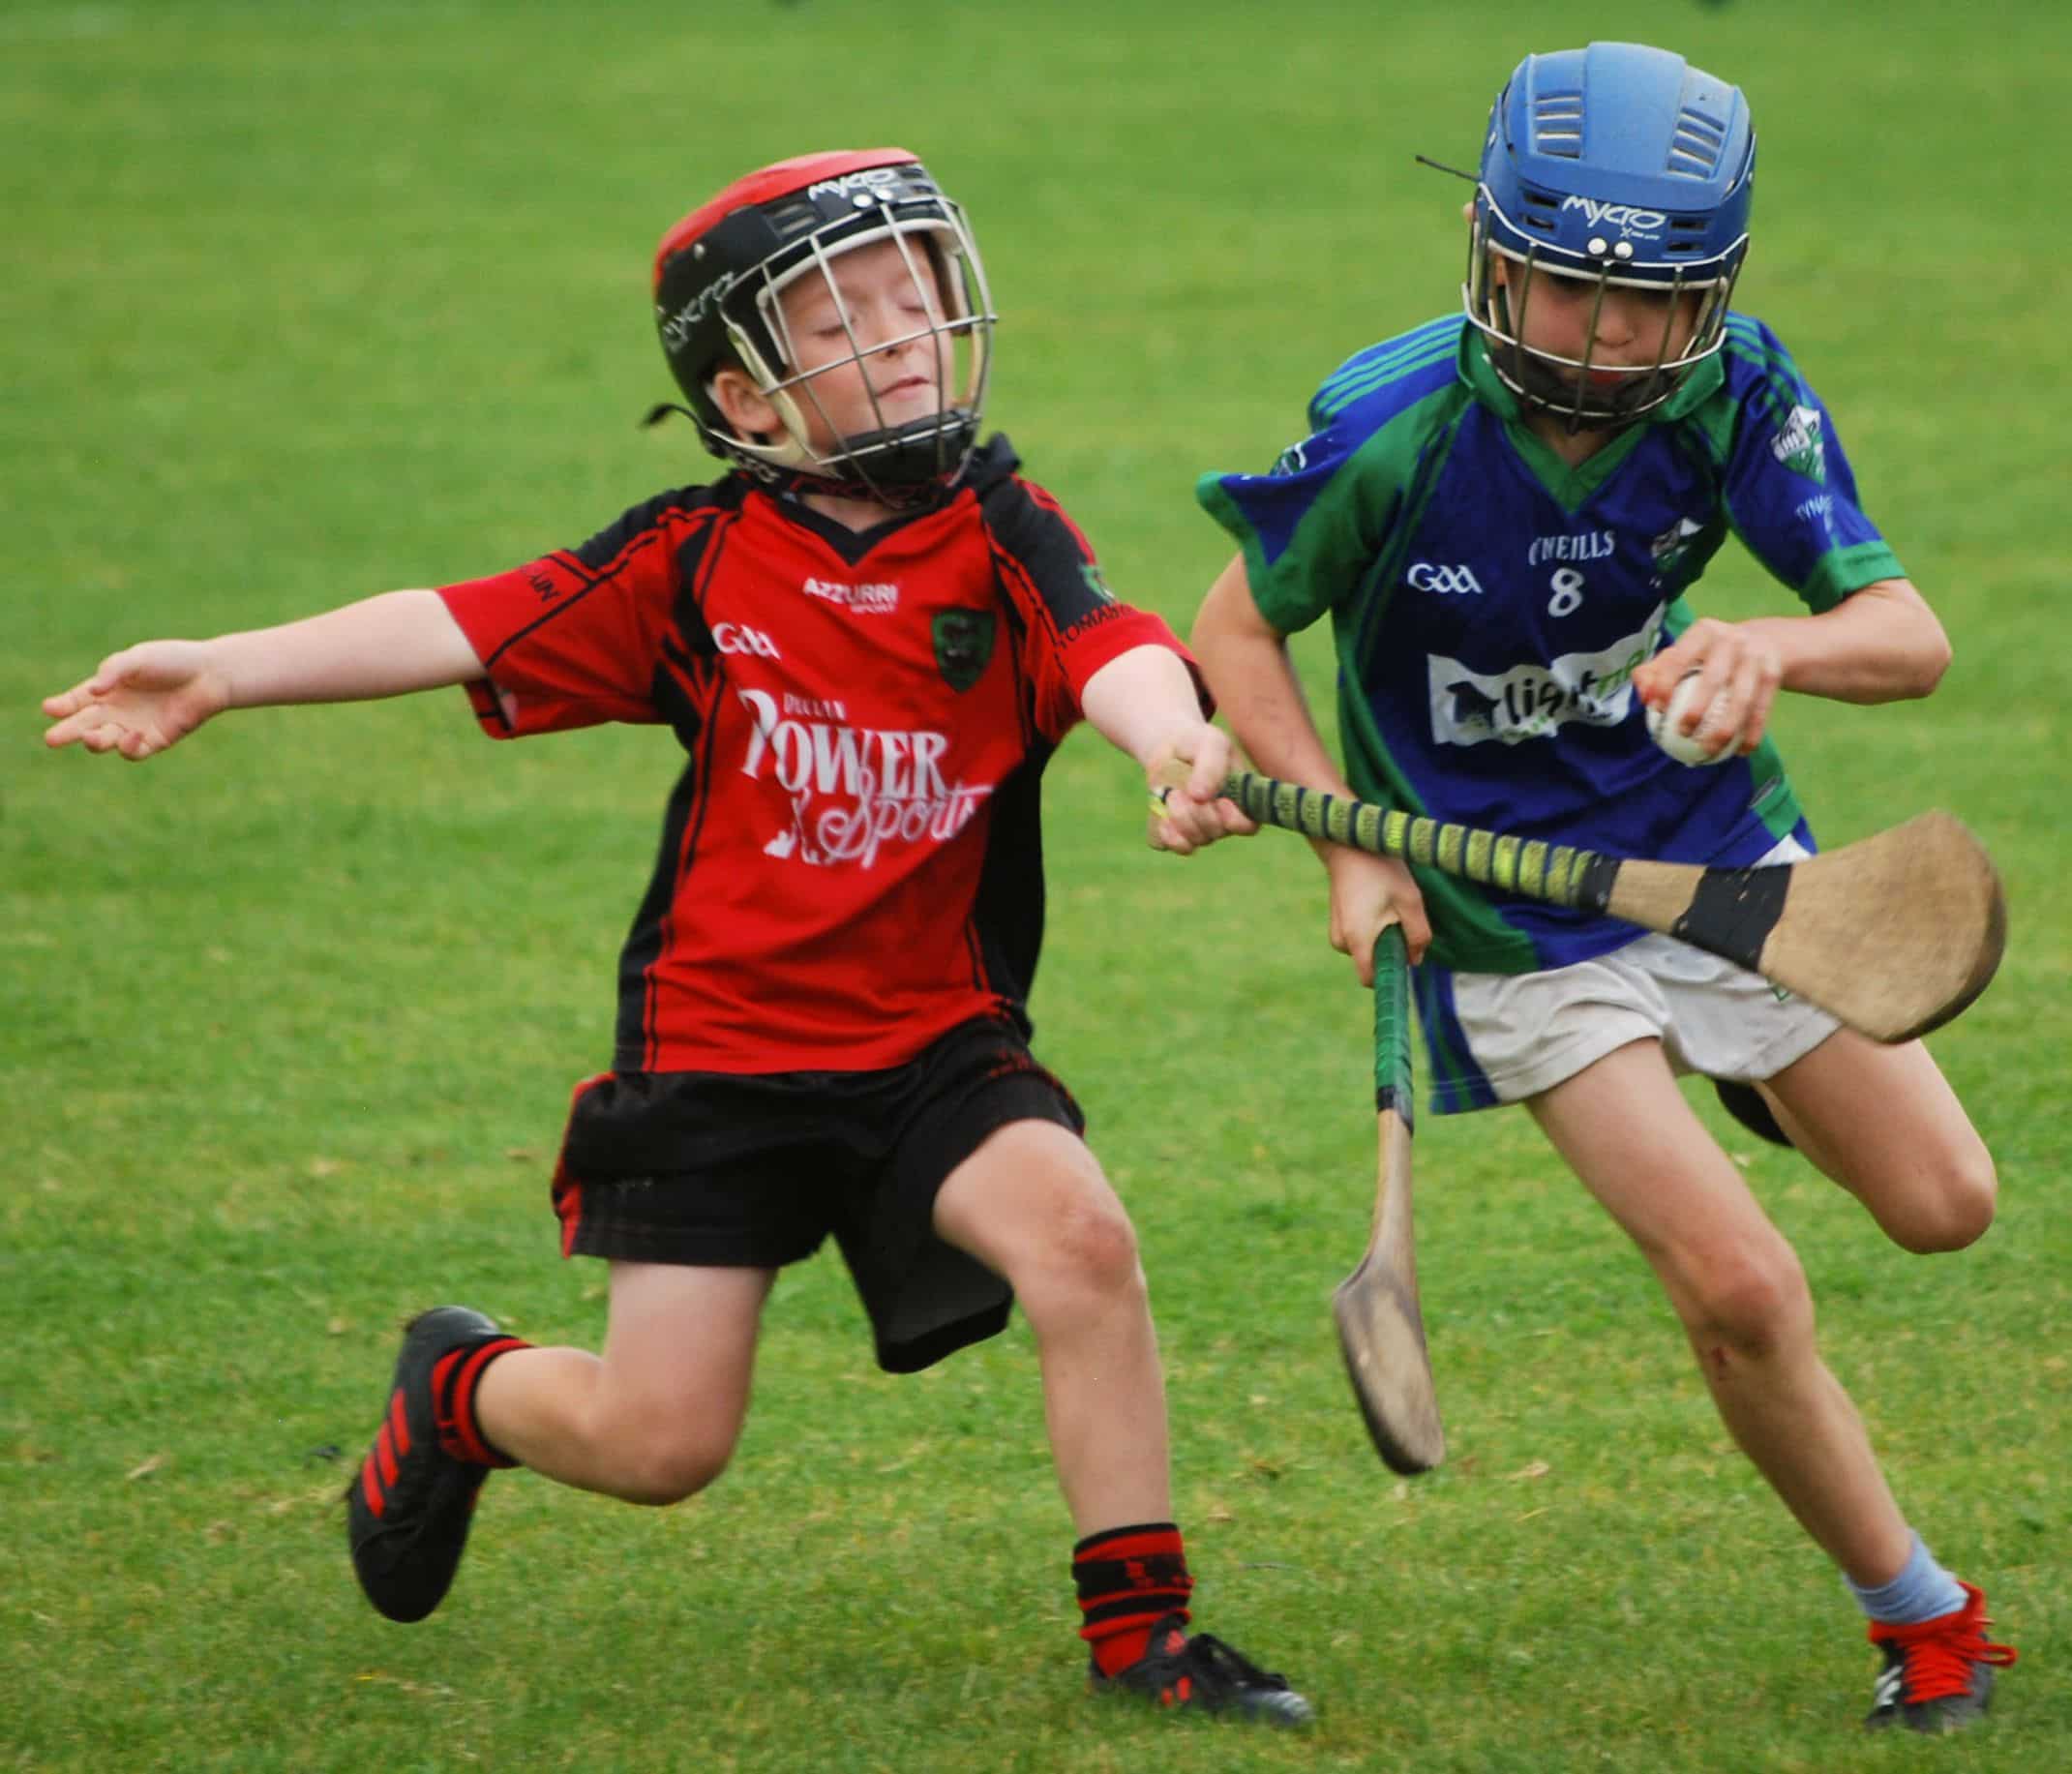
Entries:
{"x":865,"y":599}
{"x":1534,"y":701}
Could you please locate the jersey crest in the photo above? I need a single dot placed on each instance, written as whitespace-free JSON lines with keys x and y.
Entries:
{"x":963,"y":645}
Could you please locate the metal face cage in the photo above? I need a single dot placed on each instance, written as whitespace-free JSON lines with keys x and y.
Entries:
{"x":1576,"y":388}
{"x":887,"y":460}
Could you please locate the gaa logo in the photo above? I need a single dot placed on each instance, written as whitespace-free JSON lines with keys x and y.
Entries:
{"x":1452,"y":582}
{"x":739,"y":637}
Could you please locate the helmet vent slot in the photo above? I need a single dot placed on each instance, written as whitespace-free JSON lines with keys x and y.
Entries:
{"x":1687,"y":235}
{"x":1694,"y":146}
{"x":1539,"y":210}
{"x":792,"y":217}
{"x":1558,"y":125}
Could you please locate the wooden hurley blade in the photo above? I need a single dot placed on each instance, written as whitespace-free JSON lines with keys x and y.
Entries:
{"x":1381,"y":1329}
{"x":1895,"y":934}
{"x":1905,"y":928}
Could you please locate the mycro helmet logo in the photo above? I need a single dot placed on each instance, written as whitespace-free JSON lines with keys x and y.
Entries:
{"x":677,"y":328}
{"x":1631,"y":222}
{"x":871,"y":178}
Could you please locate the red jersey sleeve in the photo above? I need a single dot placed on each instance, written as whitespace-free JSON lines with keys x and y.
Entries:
{"x":574,"y":638}
{"x":1071,"y":624}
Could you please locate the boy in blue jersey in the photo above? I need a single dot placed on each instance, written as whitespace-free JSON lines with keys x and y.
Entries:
{"x":1501,"y":511}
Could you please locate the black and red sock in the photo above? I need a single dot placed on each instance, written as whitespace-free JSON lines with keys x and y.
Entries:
{"x":454,"y":1379}
{"x":1130,"y":1579}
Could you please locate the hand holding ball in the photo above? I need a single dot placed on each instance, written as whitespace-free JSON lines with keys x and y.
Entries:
{"x":1665,"y":725}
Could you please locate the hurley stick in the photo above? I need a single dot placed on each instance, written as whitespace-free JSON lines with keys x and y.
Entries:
{"x":1894,"y":933}
{"x":1381,"y":1330}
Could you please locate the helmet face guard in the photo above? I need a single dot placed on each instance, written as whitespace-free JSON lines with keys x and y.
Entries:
{"x":721,"y":276}
{"x":1620,"y":167}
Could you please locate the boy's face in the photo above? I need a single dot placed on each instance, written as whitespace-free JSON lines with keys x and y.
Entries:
{"x":1629,"y":330}
{"x":865,"y":348}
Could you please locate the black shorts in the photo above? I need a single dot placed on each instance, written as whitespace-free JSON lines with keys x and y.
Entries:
{"x":755,"y":1170}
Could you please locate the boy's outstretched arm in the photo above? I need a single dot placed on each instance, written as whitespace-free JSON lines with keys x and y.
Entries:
{"x":1245,"y":660}
{"x":153,"y":695}
{"x":1144,"y":701}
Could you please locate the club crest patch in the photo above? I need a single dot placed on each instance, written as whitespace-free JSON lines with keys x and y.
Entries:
{"x":963,"y":645}
{"x":1799,"y":445}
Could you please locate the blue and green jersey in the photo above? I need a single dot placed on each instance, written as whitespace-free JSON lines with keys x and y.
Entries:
{"x":1489,"y":603}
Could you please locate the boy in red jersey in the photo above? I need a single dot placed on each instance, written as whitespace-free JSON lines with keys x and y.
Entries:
{"x":869,"y":636}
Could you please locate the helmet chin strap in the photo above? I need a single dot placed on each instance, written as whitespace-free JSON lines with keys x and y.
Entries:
{"x":863,"y":456}
{"x":796,"y":468}
{"x":793,"y":453}
{"x":779,"y":458}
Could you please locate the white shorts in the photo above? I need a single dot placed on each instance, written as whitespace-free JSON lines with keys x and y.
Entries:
{"x":1511,"y":1035}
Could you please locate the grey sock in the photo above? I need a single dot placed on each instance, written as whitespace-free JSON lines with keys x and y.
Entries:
{"x":1922,"y":1590}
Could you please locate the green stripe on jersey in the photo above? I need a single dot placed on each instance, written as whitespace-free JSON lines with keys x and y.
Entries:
{"x":1779,"y":383}
{"x":1415,"y":351}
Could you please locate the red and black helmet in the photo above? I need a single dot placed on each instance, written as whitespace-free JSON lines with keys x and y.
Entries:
{"x":717,"y":278}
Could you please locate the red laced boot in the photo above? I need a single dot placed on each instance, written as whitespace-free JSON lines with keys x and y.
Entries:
{"x":1939,"y":1674}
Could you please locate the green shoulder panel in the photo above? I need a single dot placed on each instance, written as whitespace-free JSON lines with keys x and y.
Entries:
{"x":1348,"y":523}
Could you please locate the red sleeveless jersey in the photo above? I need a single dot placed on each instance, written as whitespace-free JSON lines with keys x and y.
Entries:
{"x":851,"y":864}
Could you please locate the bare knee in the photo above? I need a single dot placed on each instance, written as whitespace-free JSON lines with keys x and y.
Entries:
{"x":1949,"y":1209}
{"x":661,"y":1469}
{"x":1746,"y":1303}
{"x":1087,"y":1255}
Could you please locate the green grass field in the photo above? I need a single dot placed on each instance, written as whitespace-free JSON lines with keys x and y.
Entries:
{"x":304,"y":302}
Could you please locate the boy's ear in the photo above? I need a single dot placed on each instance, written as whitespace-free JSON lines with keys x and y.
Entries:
{"x":743,"y":404}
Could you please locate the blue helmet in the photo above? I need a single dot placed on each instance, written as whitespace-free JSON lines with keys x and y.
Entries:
{"x":1623,"y":167}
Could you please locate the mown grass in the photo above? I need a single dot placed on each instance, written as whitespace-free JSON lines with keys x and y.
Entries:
{"x":305,"y":302}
